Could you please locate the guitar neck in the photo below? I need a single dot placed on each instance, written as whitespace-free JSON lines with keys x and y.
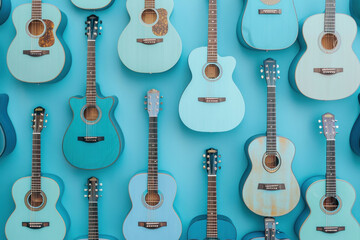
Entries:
{"x":271,"y":120}
{"x":212,"y":32}
{"x":91,"y":74}
{"x":36,"y":11}
{"x":330,"y":169}
{"x":153,"y":155}
{"x":330,"y":12}
{"x":36,"y":164}
{"x":93,"y":221}
{"x":211,"y":226}
{"x":149,"y":4}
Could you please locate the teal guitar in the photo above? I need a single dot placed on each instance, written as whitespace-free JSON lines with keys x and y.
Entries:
{"x":355,"y":10}
{"x":269,"y":187}
{"x":325,"y":67}
{"x":149,"y":43}
{"x":270,"y":232}
{"x":277,"y":20}
{"x":212,"y":225}
{"x":93,"y":140}
{"x":5,"y":9}
{"x":92,"y":4}
{"x":37,"y":213}
{"x":152,"y":194}
{"x":93,"y":191}
{"x":38,"y":54}
{"x":328,"y":215}
{"x":7,"y":131}
{"x":211,"y":102}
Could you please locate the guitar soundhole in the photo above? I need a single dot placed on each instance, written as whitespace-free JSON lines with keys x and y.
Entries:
{"x":272,"y":162}
{"x":91,"y":113}
{"x":212,"y":71}
{"x":152,"y":199}
{"x":331,"y":204}
{"x":36,"y":27}
{"x":149,"y":16}
{"x":329,"y":41}
{"x":36,"y":200}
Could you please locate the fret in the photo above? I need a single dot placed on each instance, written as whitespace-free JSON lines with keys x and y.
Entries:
{"x":330,"y":13}
{"x":271,"y":120}
{"x":149,"y":4}
{"x":91,"y":74}
{"x":211,"y":225}
{"x":212,"y":32}
{"x":36,"y":9}
{"x":153,"y":155}
{"x":330,"y":168}
{"x":93,"y":228}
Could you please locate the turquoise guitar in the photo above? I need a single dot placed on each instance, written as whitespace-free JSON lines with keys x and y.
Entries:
{"x":93,"y":140}
{"x":277,"y":20}
{"x":37,"y":215}
{"x":5,"y":9}
{"x":93,"y":194}
{"x":327,"y":215}
{"x":212,"y":225}
{"x":269,"y":187}
{"x":212,"y":93}
{"x":38,"y":54}
{"x":355,"y":10}
{"x":325,"y":67}
{"x":7,"y":131}
{"x":149,"y":43}
{"x":270,"y":232}
{"x":92,"y":4}
{"x":152,"y":194}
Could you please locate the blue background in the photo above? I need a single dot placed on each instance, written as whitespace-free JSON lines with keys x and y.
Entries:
{"x":180,"y":149}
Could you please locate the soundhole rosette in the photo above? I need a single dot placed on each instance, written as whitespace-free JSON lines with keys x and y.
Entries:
{"x":149,"y":16}
{"x":212,"y":71}
{"x":36,"y":28}
{"x":329,"y":42}
{"x":35,"y":201}
{"x":330,"y":205}
{"x":88,"y":114}
{"x":271,"y":162}
{"x":152,"y":203}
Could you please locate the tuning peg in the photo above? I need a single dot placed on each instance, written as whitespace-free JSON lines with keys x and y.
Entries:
{"x":336,"y":126}
{"x":320,"y":127}
{"x":219,"y":167}
{"x":261,"y":66}
{"x":145,"y":102}
{"x":100,"y":195}
{"x":204,"y":155}
{"x":219,"y":156}
{"x":219,"y":161}
{"x":100,"y":189}
{"x":101,"y":184}
{"x":86,"y":195}
{"x":261,"y":70}
{"x":146,"y":108}
{"x":262,"y":76}
{"x":277,"y":66}
{"x":145,"y":97}
{"x":161,"y":103}
{"x":204,"y":167}
{"x":100,"y":33}
{"x":85,"y":189}
{"x":319,"y":121}
{"x":100,"y":21}
{"x":204,"y":162}
{"x":162,"y":97}
{"x":321,"y":132}
{"x":100,"y":28}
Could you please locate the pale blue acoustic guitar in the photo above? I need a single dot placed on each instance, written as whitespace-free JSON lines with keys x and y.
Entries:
{"x":38,"y":54}
{"x":38,"y":213}
{"x":277,"y":20}
{"x":329,"y":201}
{"x":268,"y":186}
{"x":270,"y":233}
{"x":93,"y":140}
{"x":5,"y":9}
{"x":211,"y":102}
{"x":92,"y":4}
{"x":152,"y":194}
{"x":212,"y":225}
{"x":149,"y":43}
{"x":326,"y":68}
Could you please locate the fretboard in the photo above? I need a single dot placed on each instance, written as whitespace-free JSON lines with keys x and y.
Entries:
{"x":91,"y":74}
{"x":36,"y":164}
{"x":212,"y":32}
{"x":271,"y":120}
{"x":153,"y":156}
{"x":211,"y":226}
{"x":149,"y":4}
{"x":330,"y":11}
{"x":330,"y":169}
{"x":93,"y":221}
{"x":36,"y":11}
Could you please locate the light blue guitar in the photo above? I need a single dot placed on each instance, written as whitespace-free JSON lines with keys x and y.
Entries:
{"x":268,"y":24}
{"x":7,"y":131}
{"x":93,"y":139}
{"x":269,"y":187}
{"x":326,"y":68}
{"x":38,"y":54}
{"x":93,"y":194}
{"x":92,"y":4}
{"x":355,"y":9}
{"x":149,"y":43}
{"x":37,"y":215}
{"x":152,"y":194}
{"x":212,"y":225}
{"x":211,"y":102}
{"x":5,"y":9}
{"x":328,"y":215}
{"x":270,"y":232}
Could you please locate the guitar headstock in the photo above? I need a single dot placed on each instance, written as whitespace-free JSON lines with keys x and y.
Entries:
{"x":212,"y":161}
{"x":270,"y":71}
{"x":93,"y":189}
{"x":93,"y":27}
{"x":327,"y":124}
{"x":38,"y":121}
{"x":153,"y":102}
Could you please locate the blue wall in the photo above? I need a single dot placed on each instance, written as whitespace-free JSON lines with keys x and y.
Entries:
{"x":180,"y":148}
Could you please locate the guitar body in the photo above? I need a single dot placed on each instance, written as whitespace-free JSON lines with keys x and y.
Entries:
{"x":266,"y":202}
{"x":153,"y":58}
{"x":5,"y":9}
{"x":93,"y":155}
{"x":197,"y":228}
{"x":163,"y":212}
{"x":313,"y":55}
{"x":355,"y":135}
{"x":101,"y":237}
{"x":92,"y":4}
{"x":355,"y":9}
{"x":7,"y":131}
{"x":57,"y":226}
{"x":269,"y":38}
{"x":261,"y":236}
{"x":314,"y":215}
{"x":224,"y":115}
{"x":49,"y":67}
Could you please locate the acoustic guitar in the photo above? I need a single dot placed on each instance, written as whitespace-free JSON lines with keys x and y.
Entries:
{"x":5,"y":9}
{"x":7,"y":131}
{"x":270,"y":233}
{"x":92,"y":4}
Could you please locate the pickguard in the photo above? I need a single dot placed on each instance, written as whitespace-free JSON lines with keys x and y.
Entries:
{"x":161,"y":27}
{"x":48,"y":39}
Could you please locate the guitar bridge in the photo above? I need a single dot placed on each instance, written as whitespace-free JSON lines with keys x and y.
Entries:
{"x":328,"y":71}
{"x":152,"y":225}
{"x":91,"y":139}
{"x":330,"y":229}
{"x":36,"y":53}
{"x":270,"y":11}
{"x":149,"y":41}
{"x":212,"y":99}
{"x":35,"y":225}
{"x":271,"y":187}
